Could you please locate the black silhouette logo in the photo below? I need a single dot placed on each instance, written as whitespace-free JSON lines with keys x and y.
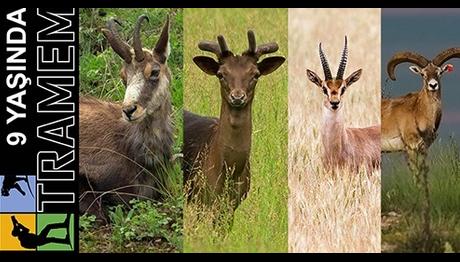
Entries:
{"x":11,"y":182}
{"x":30,"y":240}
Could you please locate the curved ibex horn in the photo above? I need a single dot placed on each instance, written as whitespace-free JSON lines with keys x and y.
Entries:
{"x":137,"y":44}
{"x":324,"y":64}
{"x":343,"y":61}
{"x":445,"y":55}
{"x":118,"y":45}
{"x":402,"y":57}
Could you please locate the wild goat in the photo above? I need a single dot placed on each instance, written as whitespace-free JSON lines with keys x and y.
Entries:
{"x":124,"y":147}
{"x":343,"y":147}
{"x":219,"y":149}
{"x":410,"y":122}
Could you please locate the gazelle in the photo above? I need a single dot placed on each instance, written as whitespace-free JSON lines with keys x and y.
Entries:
{"x":343,"y":147}
{"x":125,"y":147}
{"x":410,"y":123}
{"x":218,"y":149}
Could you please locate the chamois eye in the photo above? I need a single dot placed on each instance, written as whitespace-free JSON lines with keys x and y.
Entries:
{"x":154,"y":74}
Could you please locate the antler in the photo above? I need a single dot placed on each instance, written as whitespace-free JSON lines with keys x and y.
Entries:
{"x":220,"y":50}
{"x":258,"y":51}
{"x":137,"y":44}
{"x":445,"y":55}
{"x":402,"y":57}
{"x":119,"y":46}
{"x":343,"y":61}
{"x":324,"y":64}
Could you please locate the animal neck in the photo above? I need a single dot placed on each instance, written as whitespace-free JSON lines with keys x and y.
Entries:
{"x":151,"y":139}
{"x":333,"y":131}
{"x":233,"y":139}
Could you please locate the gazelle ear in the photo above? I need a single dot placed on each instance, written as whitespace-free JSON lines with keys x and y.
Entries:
{"x":313,"y":77}
{"x":354,"y":77}
{"x":415,"y":69}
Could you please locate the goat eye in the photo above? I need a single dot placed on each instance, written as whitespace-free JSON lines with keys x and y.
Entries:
{"x":154,"y":74}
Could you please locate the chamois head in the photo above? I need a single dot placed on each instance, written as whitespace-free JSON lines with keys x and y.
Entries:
{"x":144,"y":72}
{"x":238,"y":74}
{"x":333,"y":88}
{"x":431,"y":71}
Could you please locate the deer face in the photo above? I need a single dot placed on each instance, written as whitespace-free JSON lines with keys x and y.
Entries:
{"x":334,"y":89}
{"x":144,"y":73}
{"x":431,"y":75}
{"x":238,"y":74}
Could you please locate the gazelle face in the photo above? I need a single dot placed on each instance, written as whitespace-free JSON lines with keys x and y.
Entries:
{"x":431,"y":75}
{"x":334,"y":89}
{"x":146,"y":84}
{"x":238,"y":76}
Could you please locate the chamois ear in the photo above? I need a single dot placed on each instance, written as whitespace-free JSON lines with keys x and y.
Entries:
{"x":207,"y":64}
{"x":270,"y":64}
{"x":353,"y":77}
{"x":162,"y":48}
{"x":415,"y":69}
{"x":314,"y":78}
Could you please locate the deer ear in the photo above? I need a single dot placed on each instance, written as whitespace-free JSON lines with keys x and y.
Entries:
{"x":162,"y":48}
{"x":353,"y":77}
{"x":313,"y":77}
{"x":207,"y":64}
{"x":270,"y":64}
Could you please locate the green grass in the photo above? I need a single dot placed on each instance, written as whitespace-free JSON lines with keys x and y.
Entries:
{"x":260,"y":222}
{"x":400,"y":195}
{"x":148,"y":227}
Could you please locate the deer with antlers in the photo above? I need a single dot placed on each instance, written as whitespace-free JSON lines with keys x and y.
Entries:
{"x":125,"y":147}
{"x":343,"y":147}
{"x":410,"y":123}
{"x":218,"y":149}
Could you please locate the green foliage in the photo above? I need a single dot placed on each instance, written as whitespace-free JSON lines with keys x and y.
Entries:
{"x":148,"y":227}
{"x":147,"y":221}
{"x":400,"y":195}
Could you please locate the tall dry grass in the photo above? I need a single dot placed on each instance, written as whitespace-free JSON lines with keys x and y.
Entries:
{"x":341,"y":213}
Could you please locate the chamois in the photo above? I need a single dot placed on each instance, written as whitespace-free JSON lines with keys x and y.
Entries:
{"x":410,"y":123}
{"x":343,"y":147}
{"x":125,"y":147}
{"x":218,"y":149}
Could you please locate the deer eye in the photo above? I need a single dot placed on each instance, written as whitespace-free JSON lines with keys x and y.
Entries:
{"x":220,"y":75}
{"x":154,"y":74}
{"x":324,"y":90}
{"x":342,"y":91}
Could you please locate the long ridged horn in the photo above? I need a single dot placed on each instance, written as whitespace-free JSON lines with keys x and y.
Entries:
{"x":343,"y":61}
{"x":445,"y":55}
{"x":118,"y":45}
{"x":324,"y":64}
{"x":402,"y":57}
{"x":137,"y":43}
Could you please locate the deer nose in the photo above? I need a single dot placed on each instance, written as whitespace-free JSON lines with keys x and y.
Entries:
{"x":240,"y":96}
{"x":334,"y":103}
{"x":129,"y":110}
